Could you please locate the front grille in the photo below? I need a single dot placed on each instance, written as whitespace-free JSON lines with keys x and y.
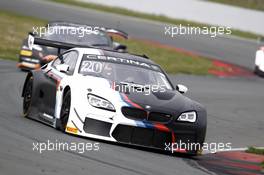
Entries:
{"x":134,"y":113}
{"x":159,"y":117}
{"x":140,"y":114}
{"x":141,"y":136}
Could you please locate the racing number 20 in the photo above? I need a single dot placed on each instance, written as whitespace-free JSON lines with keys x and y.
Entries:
{"x":91,"y":66}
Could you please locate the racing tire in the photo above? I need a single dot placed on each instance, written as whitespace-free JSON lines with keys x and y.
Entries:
{"x":65,"y":111}
{"x":258,"y":72}
{"x":27,"y":97}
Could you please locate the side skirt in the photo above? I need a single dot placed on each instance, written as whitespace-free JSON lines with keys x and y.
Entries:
{"x":47,"y":119}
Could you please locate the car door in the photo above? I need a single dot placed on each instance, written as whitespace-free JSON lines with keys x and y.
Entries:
{"x":53,"y":78}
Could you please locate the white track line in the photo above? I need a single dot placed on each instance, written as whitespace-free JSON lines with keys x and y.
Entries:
{"x":228,"y":150}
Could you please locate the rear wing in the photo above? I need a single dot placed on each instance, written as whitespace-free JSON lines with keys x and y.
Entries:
{"x":55,"y":44}
{"x":110,"y":31}
{"x":105,"y":29}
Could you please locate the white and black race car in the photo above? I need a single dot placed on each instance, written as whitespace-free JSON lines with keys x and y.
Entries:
{"x":113,"y":96}
{"x":259,"y":62}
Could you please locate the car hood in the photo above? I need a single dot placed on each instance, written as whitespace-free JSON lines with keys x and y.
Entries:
{"x":170,"y":101}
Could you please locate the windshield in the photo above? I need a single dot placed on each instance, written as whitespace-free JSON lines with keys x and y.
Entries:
{"x":124,"y":73}
{"x":79,"y":36}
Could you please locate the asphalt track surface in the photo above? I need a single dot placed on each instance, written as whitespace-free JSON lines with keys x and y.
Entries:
{"x":235,"y":114}
{"x":235,"y":109}
{"x":240,"y":52}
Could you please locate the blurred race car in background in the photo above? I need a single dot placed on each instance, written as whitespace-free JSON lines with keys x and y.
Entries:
{"x":65,"y":32}
{"x":259,"y":62}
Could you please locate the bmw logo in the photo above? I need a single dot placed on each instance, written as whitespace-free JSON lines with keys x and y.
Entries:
{"x":148,"y":107}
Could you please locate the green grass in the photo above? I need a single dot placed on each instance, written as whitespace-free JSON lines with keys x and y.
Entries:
{"x":258,"y":151}
{"x":14,"y":29}
{"x":159,"y":18}
{"x":255,"y":150}
{"x":250,"y":4}
{"x":169,"y":59}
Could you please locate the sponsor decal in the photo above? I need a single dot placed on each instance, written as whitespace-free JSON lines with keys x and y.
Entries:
{"x":121,"y":60}
{"x":72,"y":130}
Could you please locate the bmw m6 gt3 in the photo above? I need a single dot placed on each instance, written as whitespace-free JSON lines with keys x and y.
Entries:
{"x":109,"y":95}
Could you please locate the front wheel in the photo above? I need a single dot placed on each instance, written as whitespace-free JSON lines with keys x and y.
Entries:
{"x":65,"y":110}
{"x":27,"y":97}
{"x":256,"y":70}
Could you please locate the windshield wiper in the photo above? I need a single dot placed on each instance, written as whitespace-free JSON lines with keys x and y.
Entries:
{"x":100,"y":45}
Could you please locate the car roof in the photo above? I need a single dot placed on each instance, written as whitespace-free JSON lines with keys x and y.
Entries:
{"x":111,"y":53}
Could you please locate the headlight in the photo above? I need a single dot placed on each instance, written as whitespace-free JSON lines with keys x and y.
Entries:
{"x":100,"y":102}
{"x":187,"y":117}
{"x":26,"y":53}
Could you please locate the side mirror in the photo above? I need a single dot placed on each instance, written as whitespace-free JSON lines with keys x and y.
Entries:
{"x":63,"y":68}
{"x":181,"y":88}
{"x":31,"y":33}
{"x":119,"y":47}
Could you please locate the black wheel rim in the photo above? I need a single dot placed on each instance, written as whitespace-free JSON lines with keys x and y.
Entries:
{"x":65,"y":111}
{"x":27,"y":97}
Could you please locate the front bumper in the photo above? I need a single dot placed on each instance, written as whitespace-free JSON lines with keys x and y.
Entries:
{"x":28,"y":66}
{"x":28,"y":63}
{"x":140,"y":133}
